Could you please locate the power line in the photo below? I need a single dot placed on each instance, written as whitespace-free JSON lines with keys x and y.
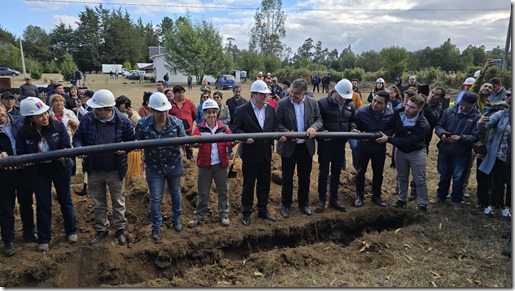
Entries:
{"x":254,"y":8}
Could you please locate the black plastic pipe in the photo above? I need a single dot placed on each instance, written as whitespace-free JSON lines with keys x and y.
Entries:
{"x":12,"y":161}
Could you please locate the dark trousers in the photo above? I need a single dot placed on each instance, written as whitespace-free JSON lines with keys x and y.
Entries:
{"x":378,"y":158}
{"x":7,"y":199}
{"x":252,"y":173}
{"x":304,"y":160}
{"x":25,"y":196}
{"x":483,"y":186}
{"x":15,"y":184}
{"x":329,"y":154}
{"x":451,"y":167}
{"x":501,"y":176}
{"x":317,"y":86}
{"x":46,"y":174}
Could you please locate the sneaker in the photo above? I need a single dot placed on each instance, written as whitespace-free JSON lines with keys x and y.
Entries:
{"x":43,"y":247}
{"x":489,"y":212}
{"x":320,"y":207}
{"x":225,"y":221}
{"x":466,"y":193}
{"x":73,"y":238}
{"x":506,"y":215}
{"x":177,"y":225}
{"x":193,"y":223}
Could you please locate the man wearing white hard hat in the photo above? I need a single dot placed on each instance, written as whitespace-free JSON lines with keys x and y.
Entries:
{"x":337,"y":111}
{"x":104,"y":125}
{"x":256,"y":116}
{"x":297,"y":113}
{"x":162,"y":163}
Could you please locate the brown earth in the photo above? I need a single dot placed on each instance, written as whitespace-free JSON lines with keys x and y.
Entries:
{"x":363,"y":247}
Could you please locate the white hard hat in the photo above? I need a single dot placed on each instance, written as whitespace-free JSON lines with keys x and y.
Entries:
{"x":159,"y":102}
{"x":259,"y":86}
{"x":31,"y":106}
{"x":268,"y":74}
{"x":102,"y":98}
{"x":209,"y":104}
{"x":469,"y":81}
{"x":344,"y":88}
{"x":380,"y":80}
{"x":476,"y":73}
{"x":260,"y":73}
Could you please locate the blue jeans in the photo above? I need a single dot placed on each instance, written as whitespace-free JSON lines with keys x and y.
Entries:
{"x":455,"y":167}
{"x":42,"y":183}
{"x":329,"y":153}
{"x":354,"y":147}
{"x":156,"y":184}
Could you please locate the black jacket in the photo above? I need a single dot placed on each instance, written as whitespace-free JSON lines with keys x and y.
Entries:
{"x":334,"y":119}
{"x":409,"y":138}
{"x":464,"y":125}
{"x":368,"y":121}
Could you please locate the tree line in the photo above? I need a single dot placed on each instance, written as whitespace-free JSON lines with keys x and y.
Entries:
{"x":197,"y":48}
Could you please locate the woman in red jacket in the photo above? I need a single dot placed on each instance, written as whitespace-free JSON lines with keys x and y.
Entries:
{"x":212,"y":162}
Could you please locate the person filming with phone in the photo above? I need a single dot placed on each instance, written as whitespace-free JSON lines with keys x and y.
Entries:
{"x":458,"y":131}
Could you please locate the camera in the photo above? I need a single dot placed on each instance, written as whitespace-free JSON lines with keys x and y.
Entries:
{"x":497,"y":62}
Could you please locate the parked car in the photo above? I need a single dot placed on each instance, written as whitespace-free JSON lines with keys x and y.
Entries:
{"x":126,"y":75}
{"x":225,"y":82}
{"x":136,"y":75}
{"x":4,"y":71}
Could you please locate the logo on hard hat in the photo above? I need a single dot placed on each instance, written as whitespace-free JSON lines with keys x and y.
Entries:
{"x":39,"y":104}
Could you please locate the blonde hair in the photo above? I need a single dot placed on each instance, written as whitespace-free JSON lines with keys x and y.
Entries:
{"x":56,"y":97}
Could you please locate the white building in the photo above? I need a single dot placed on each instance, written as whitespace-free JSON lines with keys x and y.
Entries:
{"x":160,"y":68}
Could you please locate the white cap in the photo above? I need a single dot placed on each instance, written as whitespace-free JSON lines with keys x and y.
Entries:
{"x":259,"y":86}
{"x":159,"y":102}
{"x":209,"y":104}
{"x":31,"y":106}
{"x":344,"y":89}
{"x":102,"y":98}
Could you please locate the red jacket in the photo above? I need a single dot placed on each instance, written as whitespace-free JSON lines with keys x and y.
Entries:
{"x":187,"y":113}
{"x":204,"y":152}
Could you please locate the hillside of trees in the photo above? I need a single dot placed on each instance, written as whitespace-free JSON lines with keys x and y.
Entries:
{"x":197,"y":48}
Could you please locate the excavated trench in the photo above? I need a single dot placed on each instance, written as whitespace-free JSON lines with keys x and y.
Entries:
{"x":96,"y":266}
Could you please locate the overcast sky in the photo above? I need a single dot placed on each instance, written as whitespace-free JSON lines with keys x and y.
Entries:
{"x":364,"y":24}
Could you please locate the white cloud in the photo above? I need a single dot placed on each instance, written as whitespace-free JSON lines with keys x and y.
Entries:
{"x":66,"y":19}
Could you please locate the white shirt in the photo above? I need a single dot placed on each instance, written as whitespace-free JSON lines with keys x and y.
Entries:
{"x":260,"y":113}
{"x":215,"y":155}
{"x":299,"y":116}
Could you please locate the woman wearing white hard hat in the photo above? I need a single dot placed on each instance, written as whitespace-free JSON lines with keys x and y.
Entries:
{"x":41,"y":133}
{"x":162,"y":163}
{"x":212,"y":162}
{"x":380,"y":85}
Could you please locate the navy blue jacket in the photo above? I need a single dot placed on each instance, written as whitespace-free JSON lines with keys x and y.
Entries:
{"x":56,"y":136}
{"x":368,"y":121}
{"x":409,"y":138}
{"x":464,"y":125}
{"x":85,"y":135}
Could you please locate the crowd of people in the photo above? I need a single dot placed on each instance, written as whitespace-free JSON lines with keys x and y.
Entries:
{"x":477,"y":127}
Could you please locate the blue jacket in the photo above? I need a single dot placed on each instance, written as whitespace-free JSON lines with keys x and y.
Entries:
{"x":498,"y":122}
{"x":368,"y":121}
{"x":85,"y":135}
{"x":409,"y":138}
{"x":56,"y":136}
{"x":464,"y":125}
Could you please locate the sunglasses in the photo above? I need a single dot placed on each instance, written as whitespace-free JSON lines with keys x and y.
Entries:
{"x":216,"y":97}
{"x":205,"y":97}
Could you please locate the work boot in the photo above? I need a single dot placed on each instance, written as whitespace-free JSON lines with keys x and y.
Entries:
{"x":98,"y":237}
{"x":359,"y":201}
{"x":120,"y":237}
{"x":320,"y":207}
{"x":9,"y":249}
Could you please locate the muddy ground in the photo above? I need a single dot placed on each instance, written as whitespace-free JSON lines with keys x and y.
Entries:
{"x":212,"y":255}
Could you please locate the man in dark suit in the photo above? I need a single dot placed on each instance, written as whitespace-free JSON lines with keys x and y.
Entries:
{"x":297,"y":113}
{"x":256,"y":116}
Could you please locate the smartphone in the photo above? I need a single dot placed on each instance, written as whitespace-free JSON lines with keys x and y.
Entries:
{"x":447,"y":134}
{"x":497,"y":62}
{"x":424,"y":89}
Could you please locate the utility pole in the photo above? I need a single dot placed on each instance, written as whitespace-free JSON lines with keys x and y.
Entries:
{"x":23,"y":60}
{"x":508,"y":41}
